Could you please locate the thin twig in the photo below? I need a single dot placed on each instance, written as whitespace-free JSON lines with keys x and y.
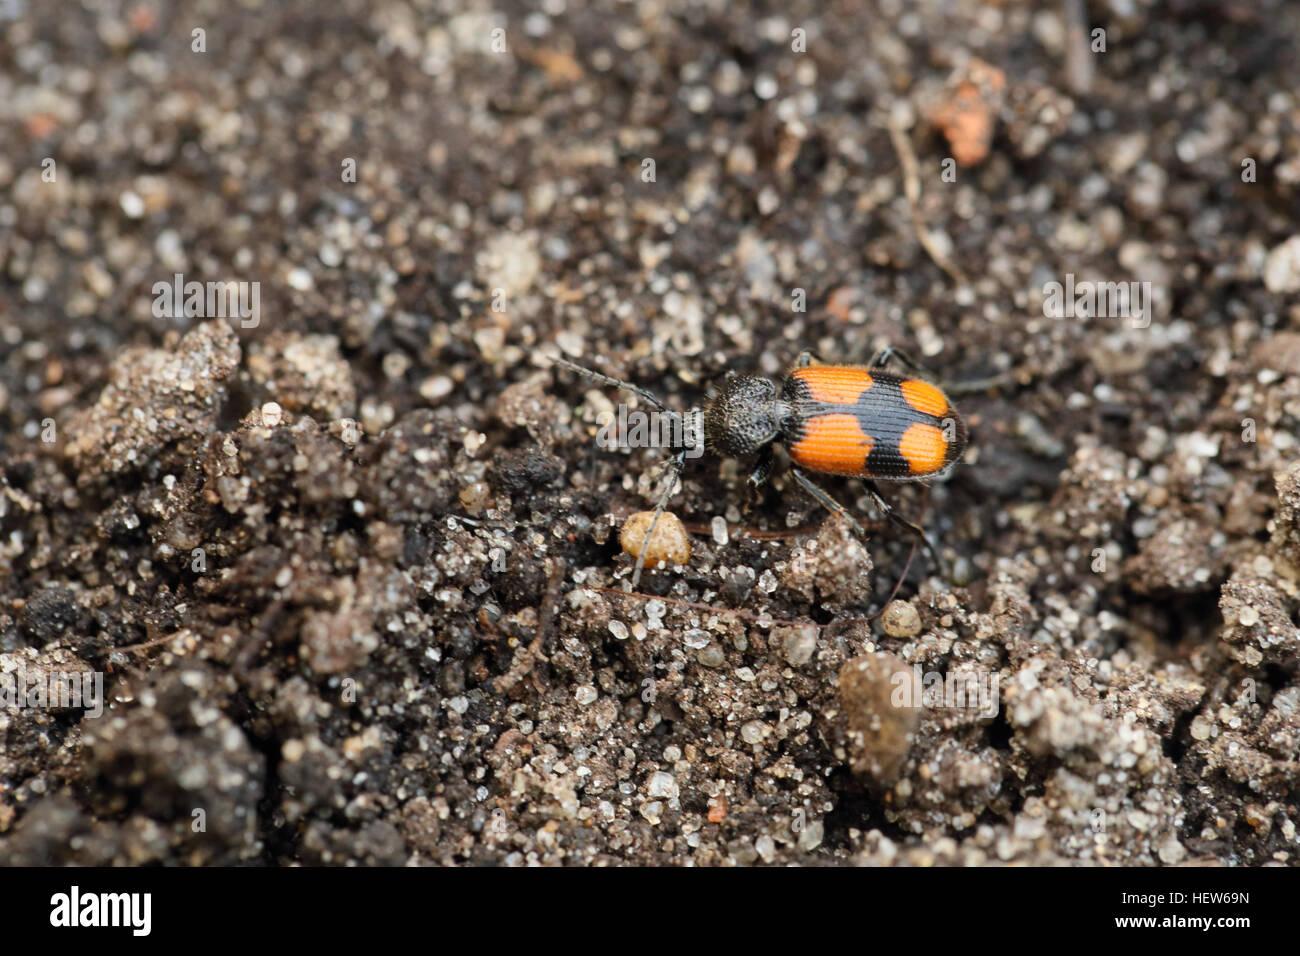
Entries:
{"x":533,"y":652}
{"x":145,"y":645}
{"x":1078,"y":55}
{"x":912,"y":190}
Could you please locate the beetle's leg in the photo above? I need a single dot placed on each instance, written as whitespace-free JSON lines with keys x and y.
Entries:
{"x":758,"y":478}
{"x":888,"y":354}
{"x":806,"y":358}
{"x":660,"y":467}
{"x":831,"y":504}
{"x":676,"y":467}
{"x":617,"y":383}
{"x":1001,"y":380}
{"x":827,"y":502}
{"x":990,"y":383}
{"x":888,"y":512}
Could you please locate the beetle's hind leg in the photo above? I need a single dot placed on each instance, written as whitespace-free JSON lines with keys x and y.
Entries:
{"x":973,"y":386}
{"x":887,"y":354}
{"x":827,"y":502}
{"x":888,"y":511}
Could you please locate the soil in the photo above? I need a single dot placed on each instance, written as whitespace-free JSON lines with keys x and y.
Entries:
{"x":351,"y":572}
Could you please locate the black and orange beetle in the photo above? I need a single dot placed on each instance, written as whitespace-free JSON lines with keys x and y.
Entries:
{"x":859,"y":421}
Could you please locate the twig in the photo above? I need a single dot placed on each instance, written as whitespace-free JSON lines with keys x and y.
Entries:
{"x":1078,"y":58}
{"x":533,"y":652}
{"x":912,"y":190}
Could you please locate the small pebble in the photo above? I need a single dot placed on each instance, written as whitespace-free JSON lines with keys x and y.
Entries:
{"x":132,"y":205}
{"x":670,"y":542}
{"x":349,"y":431}
{"x":719,"y":529}
{"x":800,"y":645}
{"x":712,"y":656}
{"x":436,"y":387}
{"x":901,"y":620}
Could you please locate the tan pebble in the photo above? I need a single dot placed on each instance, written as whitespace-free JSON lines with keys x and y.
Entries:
{"x":901,"y":620}
{"x":475,"y":496}
{"x":670,"y":542}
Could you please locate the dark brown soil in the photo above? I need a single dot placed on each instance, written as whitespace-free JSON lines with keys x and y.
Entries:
{"x":352,"y":577}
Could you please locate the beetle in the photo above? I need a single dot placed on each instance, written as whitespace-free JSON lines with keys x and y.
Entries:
{"x":859,"y":421}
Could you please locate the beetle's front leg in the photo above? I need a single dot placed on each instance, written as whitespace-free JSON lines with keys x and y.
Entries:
{"x":758,"y":478}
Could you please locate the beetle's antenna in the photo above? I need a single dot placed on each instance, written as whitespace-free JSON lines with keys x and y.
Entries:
{"x":678,"y":461}
{"x":675,"y":464}
{"x":617,"y":383}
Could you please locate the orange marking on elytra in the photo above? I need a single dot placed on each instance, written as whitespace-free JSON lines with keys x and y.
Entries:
{"x":923,"y":448}
{"x":924,"y":397}
{"x":834,"y":444}
{"x":834,"y":384}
